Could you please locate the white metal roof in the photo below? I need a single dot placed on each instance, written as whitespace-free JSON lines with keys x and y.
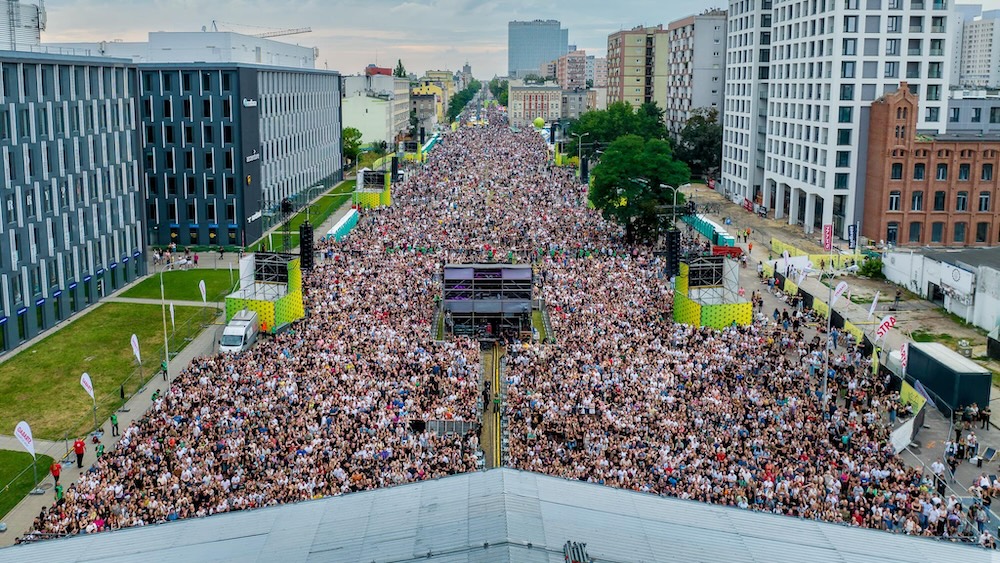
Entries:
{"x":500,"y":515}
{"x":949,"y":357}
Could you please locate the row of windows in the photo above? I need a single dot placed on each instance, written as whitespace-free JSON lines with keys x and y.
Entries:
{"x":941,"y":172}
{"x":940,"y":201}
{"x":169,"y":80}
{"x":915,"y":232}
{"x":170,"y":184}
{"x":170,"y":136}
{"x":27,"y":81}
{"x":64,"y":119}
{"x":193,"y":217}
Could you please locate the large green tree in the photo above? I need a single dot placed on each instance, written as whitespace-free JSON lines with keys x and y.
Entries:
{"x":400,"y":70}
{"x":352,"y":143}
{"x":599,"y":128}
{"x":499,"y":90}
{"x":627,"y":184}
{"x":700,"y":142}
{"x":461,"y":99}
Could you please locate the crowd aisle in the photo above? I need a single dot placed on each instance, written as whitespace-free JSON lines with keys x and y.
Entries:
{"x":623,"y":397}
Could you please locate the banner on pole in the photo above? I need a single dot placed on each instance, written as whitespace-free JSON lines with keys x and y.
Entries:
{"x":852,"y":237}
{"x":828,"y":237}
{"x":201,"y":286}
{"x":904,"y":351}
{"x":172,"y":325}
{"x":883,"y":327}
{"x":135,"y":348}
{"x":87,"y":384}
{"x":23,"y":433}
{"x":841,"y":288}
{"x":871,"y":311}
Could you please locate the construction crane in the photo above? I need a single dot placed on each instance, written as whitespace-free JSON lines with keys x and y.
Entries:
{"x":265,"y":34}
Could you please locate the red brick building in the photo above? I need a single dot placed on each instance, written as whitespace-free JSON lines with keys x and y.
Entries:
{"x":922,"y":190}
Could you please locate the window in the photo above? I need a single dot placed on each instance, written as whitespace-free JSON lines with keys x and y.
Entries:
{"x":914,"y":232}
{"x":846,"y":92}
{"x":962,"y":201}
{"x":843,"y":158}
{"x":959,"y":232}
{"x":840,"y":181}
{"x":209,"y":162}
{"x":942,"y":171}
{"x":932,"y":115}
{"x":963,"y":172}
{"x":917,"y":201}
{"x":982,"y":231}
{"x":987,"y":174}
{"x":850,"y":46}
{"x":892,"y":233}
{"x":977,"y":115}
{"x":937,"y":232}
{"x":894,"y":197}
{"x":844,"y":114}
{"x":995,"y":115}
{"x":850,"y":24}
{"x":939,"y":199}
{"x":919,"y":171}
{"x":897,"y":171}
{"x":984,"y":201}
{"x":843,"y":136}
{"x":847,"y":69}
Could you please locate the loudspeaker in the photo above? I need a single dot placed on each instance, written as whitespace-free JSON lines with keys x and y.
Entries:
{"x":395,"y":169}
{"x":552,"y":133}
{"x":422,"y":135}
{"x":584,"y":170}
{"x":286,"y":206}
{"x":306,"y":246}
{"x":673,"y":252}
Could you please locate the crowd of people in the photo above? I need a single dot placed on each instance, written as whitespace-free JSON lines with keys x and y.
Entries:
{"x":623,"y":397}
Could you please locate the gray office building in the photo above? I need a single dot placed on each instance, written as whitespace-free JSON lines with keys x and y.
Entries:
{"x":70,"y":217}
{"x":531,"y":43}
{"x":226,"y":143}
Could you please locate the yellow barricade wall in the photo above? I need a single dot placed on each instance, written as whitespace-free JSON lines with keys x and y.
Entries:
{"x":721,"y":316}
{"x":821,"y":308}
{"x":790,"y":287}
{"x":686,"y":311}
{"x":854,"y":330}
{"x":910,"y":396}
{"x":779,"y":248}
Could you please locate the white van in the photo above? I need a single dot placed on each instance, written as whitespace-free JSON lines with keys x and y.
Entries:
{"x":240,"y":333}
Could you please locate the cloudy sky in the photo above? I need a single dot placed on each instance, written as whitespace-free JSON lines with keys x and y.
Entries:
{"x":425,"y":34}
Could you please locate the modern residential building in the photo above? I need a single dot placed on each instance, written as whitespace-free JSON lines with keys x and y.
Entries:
{"x":638,"y":62}
{"x":980,"y":62}
{"x":71,"y":202}
{"x":820,"y":90}
{"x":597,"y":71}
{"x":372,"y":115}
{"x":571,"y":70}
{"x":22,"y":24}
{"x":547,"y":70}
{"x":974,"y":112}
{"x":529,"y":101}
{"x":380,"y":87}
{"x":924,"y":189}
{"x":202,"y":47}
{"x":225,"y":144}
{"x":744,"y":115}
{"x":697,"y":71}
{"x":531,"y":43}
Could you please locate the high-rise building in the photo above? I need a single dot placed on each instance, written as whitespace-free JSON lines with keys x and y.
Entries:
{"x":980,"y":60}
{"x":638,"y":62}
{"x":532,"y":43}
{"x":71,"y":208}
{"x":226,"y":144}
{"x":571,"y":70}
{"x":828,"y":62}
{"x":697,"y":67}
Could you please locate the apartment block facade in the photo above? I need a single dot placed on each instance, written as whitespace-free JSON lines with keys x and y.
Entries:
{"x":928,"y":190}
{"x":527,"y":102}
{"x":980,"y":61}
{"x":71,"y":212}
{"x":828,"y":61}
{"x":571,"y":70}
{"x":696,"y":77}
{"x":638,"y":64}
{"x":225,"y":144}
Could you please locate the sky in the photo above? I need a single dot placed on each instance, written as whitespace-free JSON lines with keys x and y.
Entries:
{"x":350,"y":34}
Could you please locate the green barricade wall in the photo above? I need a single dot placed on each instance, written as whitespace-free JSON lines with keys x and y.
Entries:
{"x":271,"y":314}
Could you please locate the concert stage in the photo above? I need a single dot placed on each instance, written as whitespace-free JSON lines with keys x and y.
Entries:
{"x":706,"y":293}
{"x":487,"y":300}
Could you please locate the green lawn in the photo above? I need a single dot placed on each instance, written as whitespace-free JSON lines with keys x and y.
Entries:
{"x":182,"y":285}
{"x":18,"y":465}
{"x":319,"y":211}
{"x":539,"y":323}
{"x":42,"y":383}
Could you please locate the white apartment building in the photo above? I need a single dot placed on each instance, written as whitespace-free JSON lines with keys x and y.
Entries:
{"x":395,"y":90}
{"x":697,"y":71}
{"x":980,"y":61}
{"x":829,"y":60}
{"x":748,"y":56}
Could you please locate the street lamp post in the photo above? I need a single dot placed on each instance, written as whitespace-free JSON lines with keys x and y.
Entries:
{"x":579,"y":147}
{"x":673,"y":210}
{"x":163,"y":306}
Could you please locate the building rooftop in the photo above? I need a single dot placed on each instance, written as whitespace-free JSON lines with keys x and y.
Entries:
{"x":967,"y":258}
{"x":497,"y":516}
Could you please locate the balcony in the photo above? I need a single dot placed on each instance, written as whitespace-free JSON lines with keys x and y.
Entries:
{"x":937,"y":29}
{"x":936,"y":52}
{"x":916,"y":29}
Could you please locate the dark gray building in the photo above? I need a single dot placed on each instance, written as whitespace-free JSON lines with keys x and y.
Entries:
{"x":70,"y":204}
{"x":975,"y":112}
{"x":225,"y":143}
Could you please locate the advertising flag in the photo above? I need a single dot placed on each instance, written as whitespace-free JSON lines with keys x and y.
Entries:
{"x":172,"y":325}
{"x":841,"y":288}
{"x":201,"y":286}
{"x":871,"y":311}
{"x":87,"y":384}
{"x":135,"y":348}
{"x":23,"y":433}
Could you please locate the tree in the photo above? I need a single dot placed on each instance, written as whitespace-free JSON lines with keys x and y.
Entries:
{"x":626,"y":184}
{"x":400,"y":71}
{"x":458,"y":102}
{"x":352,"y":143}
{"x":414,"y":123}
{"x":604,"y":126}
{"x":499,"y":90}
{"x":700,"y":142}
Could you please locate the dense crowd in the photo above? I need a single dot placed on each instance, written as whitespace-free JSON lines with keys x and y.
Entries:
{"x":624,"y":398}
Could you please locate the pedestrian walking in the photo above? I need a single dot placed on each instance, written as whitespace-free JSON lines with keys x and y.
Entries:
{"x":114,"y":424}
{"x":195,"y":259}
{"x":55,"y":469}
{"x":79,"y":447}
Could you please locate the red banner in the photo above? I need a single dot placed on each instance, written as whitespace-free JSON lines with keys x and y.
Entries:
{"x":748,"y":205}
{"x":827,"y":237}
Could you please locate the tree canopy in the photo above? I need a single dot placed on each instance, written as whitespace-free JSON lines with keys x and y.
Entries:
{"x":499,"y":90}
{"x":462,"y":99}
{"x":352,"y":143}
{"x":700,"y":142}
{"x":626,"y":184}
{"x":400,"y":70}
{"x":604,"y":126}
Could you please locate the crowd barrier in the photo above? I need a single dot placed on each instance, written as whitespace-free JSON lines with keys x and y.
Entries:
{"x":344,"y":226}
